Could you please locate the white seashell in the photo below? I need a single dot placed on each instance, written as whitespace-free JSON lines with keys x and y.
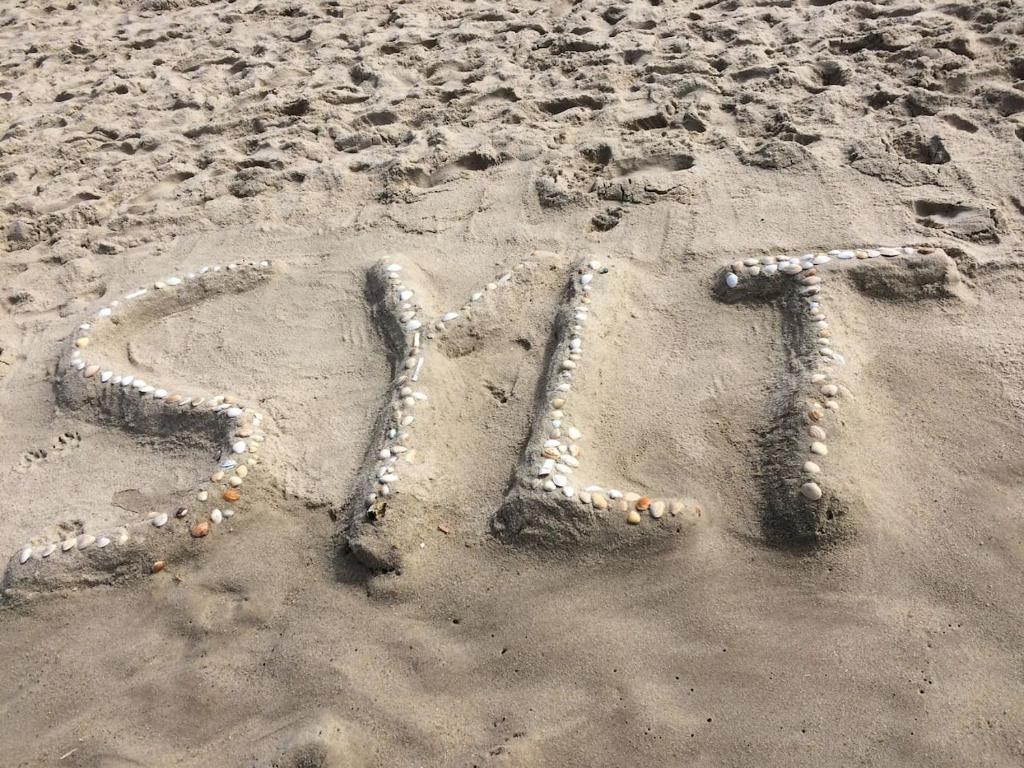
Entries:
{"x":816,"y":432}
{"x":889,"y":252}
{"x":790,"y":268}
{"x":106,"y":376}
{"x":830,"y":390}
{"x":811,"y":491}
{"x":572,"y":461}
{"x":234,"y":481}
{"x":389,"y":478}
{"x":84,"y":541}
{"x":552,"y":443}
{"x":239,"y":446}
{"x":574,"y":434}
{"x":173,"y":280}
{"x":216,"y":516}
{"x":593,"y":489}
{"x":229,"y":513}
{"x":811,"y":467}
{"x":569,"y":491}
{"x":562,"y":469}
{"x":586,"y":278}
{"x":405,"y":295}
{"x":545,"y":468}
{"x":548,"y":485}
{"x":138,"y":383}
{"x":770,"y":269}
{"x":203,"y":495}
{"x":160,"y":520}
{"x":136,"y":294}
{"x":102,"y":542}
{"x":844,"y":255}
{"x":105,"y":312}
{"x":614,"y":494}
{"x":560,"y":480}
{"x":447,"y":317}
{"x":146,"y":390}
{"x":234,"y":412}
{"x":412,"y":325}
{"x":819,"y":448}
{"x":821,"y":258}
{"x":67,"y":545}
{"x":731,"y":280}
{"x":160,"y":394}
{"x":24,"y":555}
{"x":393,"y":267}
{"x":78,"y":365}
{"x":48,"y":550}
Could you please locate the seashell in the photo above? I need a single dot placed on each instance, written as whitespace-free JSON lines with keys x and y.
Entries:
{"x":570,"y":461}
{"x":231,"y":494}
{"x":811,"y":467}
{"x":447,"y":317}
{"x":614,"y":494}
{"x":227,"y":464}
{"x":217,"y":476}
{"x":568,"y":365}
{"x":24,"y":555}
{"x":48,"y":550}
{"x":173,"y":281}
{"x":195,"y":402}
{"x":106,"y":376}
{"x":830,"y":390}
{"x":181,"y":512}
{"x":200,"y":529}
{"x":102,"y":542}
{"x":229,"y":513}
{"x":675,"y":508}
{"x":643,"y":503}
{"x":78,"y":365}
{"x":632,"y":497}
{"x":585,"y":497}
{"x":548,"y":486}
{"x":574,"y":434}
{"x":160,"y":520}
{"x":242,"y":471}
{"x":569,"y":491}
{"x":731,"y":280}
{"x":822,"y":258}
{"x":599,"y":501}
{"x":91,"y":371}
{"x":889,"y":252}
{"x":234,"y":412}
{"x":405,"y":295}
{"x":560,"y":481}
{"x":158,"y":566}
{"x":136,"y":294}
{"x":811,"y":491}
{"x":82,"y":342}
{"x":819,"y":448}
{"x":146,"y":389}
{"x":790,"y":268}
{"x":657,"y":509}
{"x":621,"y":505}
{"x":234,"y":481}
{"x":239,"y":446}
{"x":67,"y":545}
{"x":160,"y":394}
{"x":216,"y":516}
{"x":770,"y":269}
{"x":203,"y":495}
{"x":816,"y":432}
{"x":413,"y":325}
{"x":84,"y":541}
{"x":633,"y":518}
{"x":138,"y":383}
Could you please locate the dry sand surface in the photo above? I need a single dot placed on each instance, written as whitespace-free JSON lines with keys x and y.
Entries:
{"x":469,"y":617}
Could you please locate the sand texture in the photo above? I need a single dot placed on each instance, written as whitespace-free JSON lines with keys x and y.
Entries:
{"x":592,"y":383}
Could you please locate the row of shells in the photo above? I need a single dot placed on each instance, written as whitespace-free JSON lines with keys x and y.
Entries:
{"x":556,"y":464}
{"x":406,"y":396}
{"x":238,"y":456}
{"x":822,"y":367}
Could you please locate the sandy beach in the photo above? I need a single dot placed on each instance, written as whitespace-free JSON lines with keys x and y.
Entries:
{"x":511,"y":384}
